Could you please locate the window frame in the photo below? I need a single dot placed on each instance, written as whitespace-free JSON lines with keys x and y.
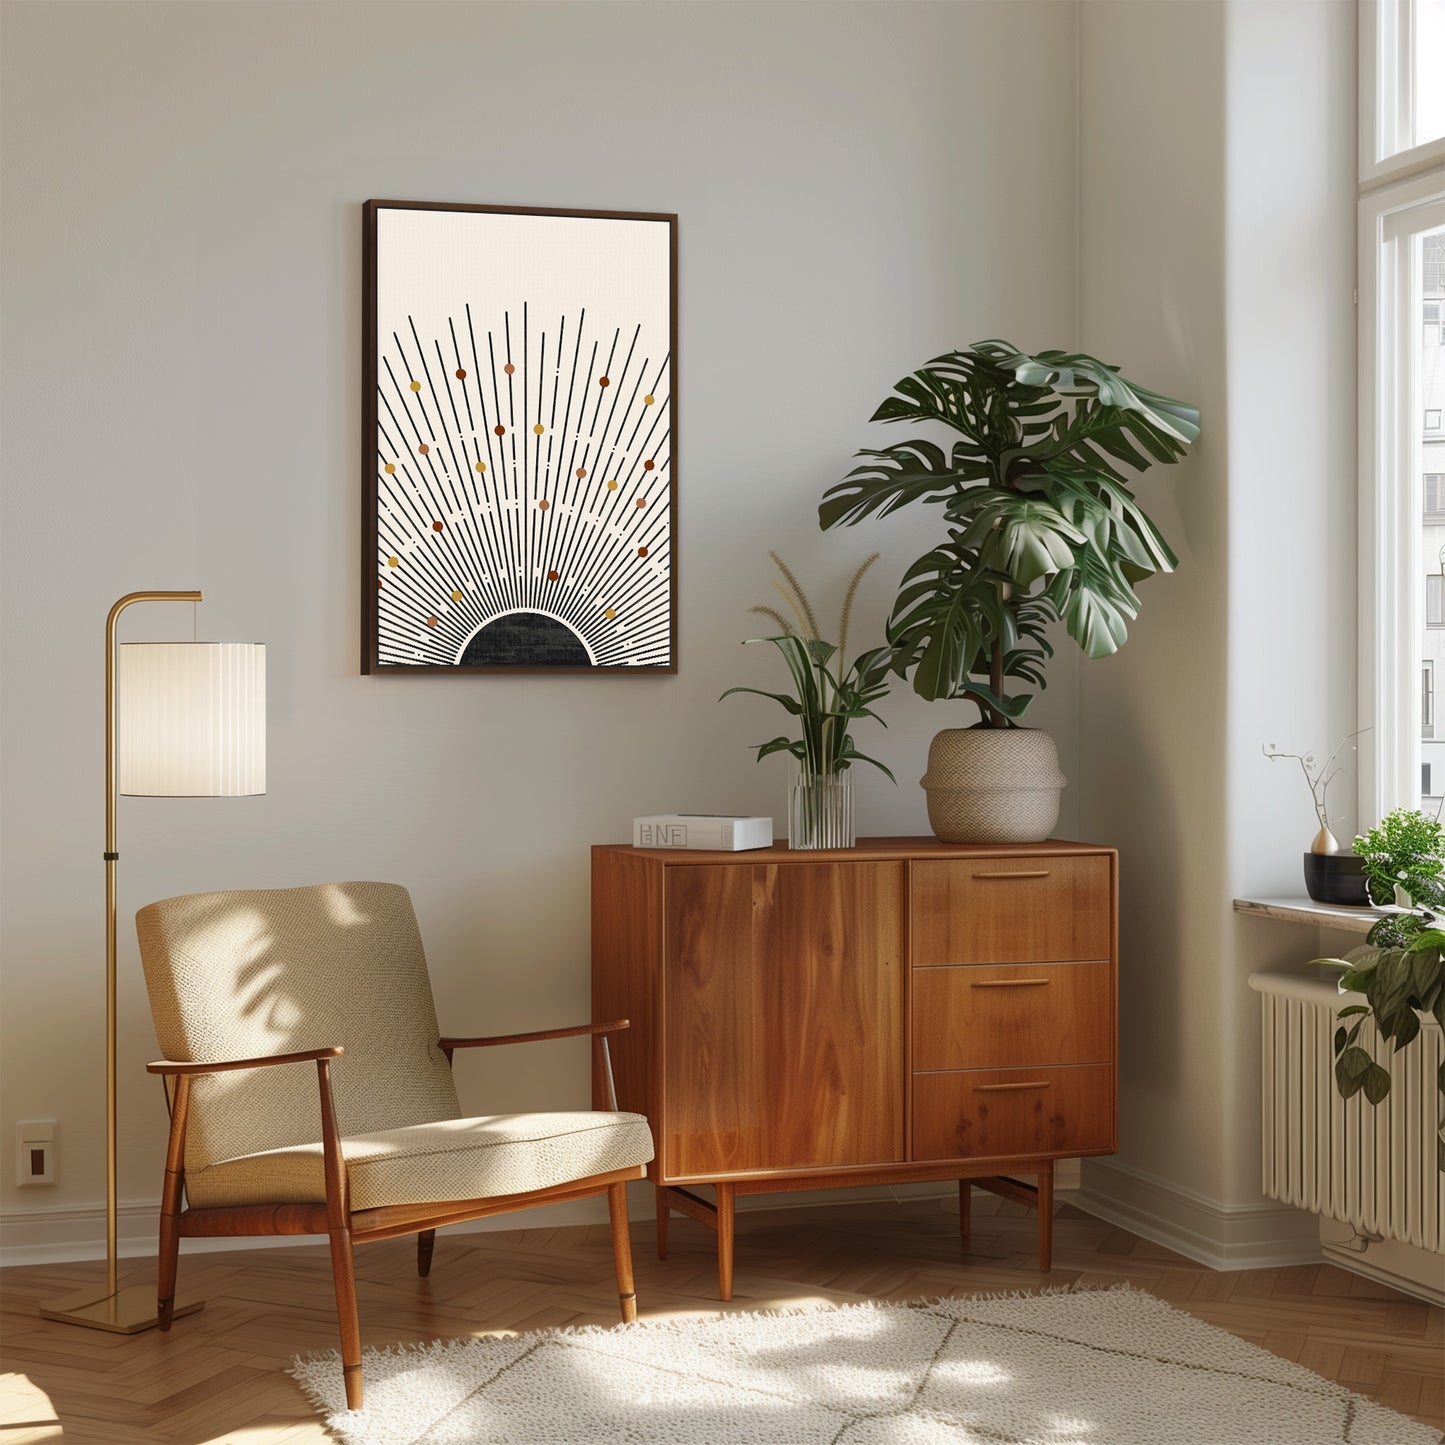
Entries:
{"x":1392,"y":601}
{"x":1387,"y":95}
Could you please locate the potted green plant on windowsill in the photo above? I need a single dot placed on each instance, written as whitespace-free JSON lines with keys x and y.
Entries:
{"x":1399,"y":970}
{"x":1040,"y":525}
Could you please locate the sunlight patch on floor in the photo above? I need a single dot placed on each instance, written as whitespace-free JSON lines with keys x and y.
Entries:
{"x":26,"y":1415}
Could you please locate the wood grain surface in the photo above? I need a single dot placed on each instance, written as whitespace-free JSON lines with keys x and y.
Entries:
{"x":991,"y":1016}
{"x":784,"y":1017}
{"x":1010,"y":910}
{"x":996,"y":1113}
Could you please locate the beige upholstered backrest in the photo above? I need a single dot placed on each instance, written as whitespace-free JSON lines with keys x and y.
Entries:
{"x":239,"y":975}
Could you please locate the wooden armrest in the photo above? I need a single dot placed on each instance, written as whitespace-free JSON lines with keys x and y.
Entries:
{"x":581,"y":1030}
{"x":170,"y":1066}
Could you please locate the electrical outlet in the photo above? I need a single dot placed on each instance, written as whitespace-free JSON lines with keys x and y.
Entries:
{"x":35,"y":1151}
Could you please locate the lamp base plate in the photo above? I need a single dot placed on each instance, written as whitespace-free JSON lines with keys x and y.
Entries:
{"x":126,"y":1312}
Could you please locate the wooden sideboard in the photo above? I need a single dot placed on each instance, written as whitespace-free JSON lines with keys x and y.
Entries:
{"x":906,"y":1010}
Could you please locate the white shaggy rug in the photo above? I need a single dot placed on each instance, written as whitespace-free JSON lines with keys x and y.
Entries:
{"x":1093,"y":1367}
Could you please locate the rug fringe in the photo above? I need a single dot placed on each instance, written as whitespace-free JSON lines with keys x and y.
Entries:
{"x":449,"y":1345}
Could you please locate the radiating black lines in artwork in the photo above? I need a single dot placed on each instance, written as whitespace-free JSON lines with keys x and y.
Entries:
{"x":523,"y":489}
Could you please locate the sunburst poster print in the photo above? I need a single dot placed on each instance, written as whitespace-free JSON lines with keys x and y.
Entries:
{"x":519,"y":435}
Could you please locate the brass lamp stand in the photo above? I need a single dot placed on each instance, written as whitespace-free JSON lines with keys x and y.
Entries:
{"x":198,"y":726}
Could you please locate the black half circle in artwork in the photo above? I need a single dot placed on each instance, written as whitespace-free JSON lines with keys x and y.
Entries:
{"x":525,"y":639}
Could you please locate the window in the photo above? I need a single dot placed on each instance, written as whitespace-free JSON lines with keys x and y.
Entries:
{"x":1402,"y":396}
{"x":1402,"y":100}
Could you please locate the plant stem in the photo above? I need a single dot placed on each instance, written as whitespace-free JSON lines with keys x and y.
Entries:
{"x":995,"y":681}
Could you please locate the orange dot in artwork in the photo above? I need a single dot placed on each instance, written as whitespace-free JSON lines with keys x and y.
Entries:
{"x":539,"y":429}
{"x":642,"y":551}
{"x":416,"y":386}
{"x":423,"y":449}
{"x":604,"y":381}
{"x":611,"y":486}
{"x":437,"y":526}
{"x":390,"y":469}
{"x":461,"y":373}
{"x":379,"y":582}
{"x":554,"y":576}
{"x":543,"y":505}
{"x":457,"y":595}
{"x":393,"y":561}
{"x":581,"y":472}
{"x":610,"y":613}
{"x":642,"y":502}
{"x":648,"y":466}
{"x":509,"y":368}
{"x":481,"y":466}
{"x":431,"y":622}
{"x":648,"y":400}
{"x":501,"y":431}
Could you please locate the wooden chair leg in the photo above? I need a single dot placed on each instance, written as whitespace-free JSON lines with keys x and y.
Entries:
{"x":965,"y":1207}
{"x":725,"y":1214}
{"x":664,"y":1214}
{"x":170,"y":1249}
{"x":172,"y":1191}
{"x":425,"y":1243}
{"x":1046,"y":1216}
{"x":343,"y":1271}
{"x":622,"y":1250}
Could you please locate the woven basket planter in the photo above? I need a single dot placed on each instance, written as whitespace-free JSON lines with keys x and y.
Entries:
{"x":993,"y":785}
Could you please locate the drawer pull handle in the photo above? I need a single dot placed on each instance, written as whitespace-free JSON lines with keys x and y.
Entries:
{"x":1000,"y":1088}
{"x":1043,"y":874}
{"x":1010,"y":982}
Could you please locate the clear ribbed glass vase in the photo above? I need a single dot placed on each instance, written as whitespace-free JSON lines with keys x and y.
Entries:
{"x":820,"y":810}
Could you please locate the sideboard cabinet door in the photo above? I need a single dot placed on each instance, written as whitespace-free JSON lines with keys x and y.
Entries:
{"x":783,"y":1006}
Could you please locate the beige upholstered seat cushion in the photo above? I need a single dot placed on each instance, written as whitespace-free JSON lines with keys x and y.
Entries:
{"x":433,"y":1163}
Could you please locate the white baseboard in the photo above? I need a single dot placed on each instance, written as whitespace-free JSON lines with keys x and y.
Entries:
{"x":1413,"y":1271}
{"x":1222,"y":1236}
{"x":77,"y":1232}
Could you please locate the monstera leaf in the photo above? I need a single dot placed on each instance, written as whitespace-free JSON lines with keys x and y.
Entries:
{"x":1096,"y":604}
{"x":1023,"y":537}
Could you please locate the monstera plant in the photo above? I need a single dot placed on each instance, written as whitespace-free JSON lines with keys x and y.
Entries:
{"x":1039,"y":520}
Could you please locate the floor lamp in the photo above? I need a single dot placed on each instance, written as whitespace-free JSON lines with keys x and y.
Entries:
{"x":188,"y":720}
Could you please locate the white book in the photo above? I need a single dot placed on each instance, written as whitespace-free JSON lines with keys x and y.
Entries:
{"x":714,"y":832}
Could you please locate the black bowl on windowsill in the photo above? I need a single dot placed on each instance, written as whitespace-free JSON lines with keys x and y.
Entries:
{"x":1336,"y":878}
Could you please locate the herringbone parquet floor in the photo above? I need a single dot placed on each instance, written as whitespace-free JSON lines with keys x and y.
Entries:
{"x":217,"y":1378}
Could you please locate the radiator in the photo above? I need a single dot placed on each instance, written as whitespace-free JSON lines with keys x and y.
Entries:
{"x":1371,"y":1167}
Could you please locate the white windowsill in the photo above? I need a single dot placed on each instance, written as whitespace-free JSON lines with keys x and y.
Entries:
{"x":1306,"y":910}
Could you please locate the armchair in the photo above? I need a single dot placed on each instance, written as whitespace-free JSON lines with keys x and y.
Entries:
{"x":249,"y":988}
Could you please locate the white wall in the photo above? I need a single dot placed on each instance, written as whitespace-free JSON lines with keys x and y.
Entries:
{"x":1217,"y":242}
{"x":860,"y":186}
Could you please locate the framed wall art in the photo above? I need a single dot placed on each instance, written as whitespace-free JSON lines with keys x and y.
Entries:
{"x":520,"y":428}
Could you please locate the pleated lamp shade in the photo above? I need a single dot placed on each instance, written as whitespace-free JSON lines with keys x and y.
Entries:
{"x":192,"y":719}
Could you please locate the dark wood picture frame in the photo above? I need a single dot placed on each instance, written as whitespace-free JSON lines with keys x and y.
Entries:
{"x":434,"y":444}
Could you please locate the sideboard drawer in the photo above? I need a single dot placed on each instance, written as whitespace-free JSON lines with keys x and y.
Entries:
{"x":980,"y":1113}
{"x":991,"y":1016}
{"x":1011,"y":910}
